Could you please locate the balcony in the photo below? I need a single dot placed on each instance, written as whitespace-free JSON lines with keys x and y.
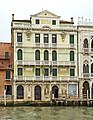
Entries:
{"x":87,"y":75}
{"x":45,"y":45}
{"x":46,"y":62}
{"x":46,"y":78}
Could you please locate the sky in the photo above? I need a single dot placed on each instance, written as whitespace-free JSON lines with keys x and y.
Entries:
{"x":24,"y":8}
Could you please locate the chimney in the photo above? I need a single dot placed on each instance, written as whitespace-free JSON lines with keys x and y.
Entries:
{"x":12,"y":16}
{"x":72,"y":19}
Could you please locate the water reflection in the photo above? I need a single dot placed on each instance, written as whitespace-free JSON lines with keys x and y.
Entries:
{"x":46,"y":113}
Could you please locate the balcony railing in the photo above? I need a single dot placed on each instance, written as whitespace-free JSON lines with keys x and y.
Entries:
{"x":46,"y":62}
{"x":87,"y":75}
{"x":45,"y":45}
{"x":43,"y":26}
{"x":45,"y":78}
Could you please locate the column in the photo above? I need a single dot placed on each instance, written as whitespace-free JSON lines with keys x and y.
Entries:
{"x":42,"y":94}
{"x":90,"y":90}
{"x":14,"y":92}
{"x":25,"y":91}
{"x":33,"y":93}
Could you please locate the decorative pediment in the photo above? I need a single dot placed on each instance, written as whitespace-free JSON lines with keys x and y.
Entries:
{"x":46,"y":13}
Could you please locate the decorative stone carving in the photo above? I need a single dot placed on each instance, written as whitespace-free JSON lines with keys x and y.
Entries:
{"x":63,"y":36}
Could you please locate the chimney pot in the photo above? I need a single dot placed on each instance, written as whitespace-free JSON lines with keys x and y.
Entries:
{"x":72,"y":19}
{"x":12,"y":16}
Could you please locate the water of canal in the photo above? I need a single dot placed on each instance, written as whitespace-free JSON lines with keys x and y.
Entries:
{"x":46,"y":113}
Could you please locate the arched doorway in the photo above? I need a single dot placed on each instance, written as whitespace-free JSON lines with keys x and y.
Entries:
{"x":20,"y":92}
{"x":55,"y":91}
{"x":37,"y":92}
{"x":92,"y":91}
{"x":86,"y":90}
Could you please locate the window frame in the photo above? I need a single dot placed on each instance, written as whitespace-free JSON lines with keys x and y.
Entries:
{"x":53,"y":22}
{"x":36,"y":72}
{"x":72,"y":72}
{"x":7,"y":74}
{"x":19,"y":37}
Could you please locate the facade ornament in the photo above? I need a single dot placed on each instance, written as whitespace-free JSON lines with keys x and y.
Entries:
{"x":63,"y":36}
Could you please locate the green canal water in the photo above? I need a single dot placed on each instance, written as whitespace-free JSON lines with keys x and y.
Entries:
{"x":46,"y":113}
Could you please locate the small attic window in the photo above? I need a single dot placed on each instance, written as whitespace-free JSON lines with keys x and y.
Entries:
{"x":37,"y":21}
{"x":45,"y":13}
{"x":53,"y":22}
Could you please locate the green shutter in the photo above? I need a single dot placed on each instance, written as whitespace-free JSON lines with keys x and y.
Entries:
{"x":71,"y":39}
{"x":71,"y":55}
{"x":72,"y":72}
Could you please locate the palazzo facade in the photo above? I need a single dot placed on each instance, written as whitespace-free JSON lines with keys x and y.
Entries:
{"x":45,"y":58}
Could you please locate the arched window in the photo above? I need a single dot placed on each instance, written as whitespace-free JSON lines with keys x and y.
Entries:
{"x":46,"y":55}
{"x":55,"y":91}
{"x":54,"y":55}
{"x":71,"y":55}
{"x":85,"y":68}
{"x":19,"y":55}
{"x":92,"y":68}
{"x":20,"y":92}
{"x":37,"y":92}
{"x":37,"y":55}
{"x":85,"y":43}
{"x":86,"y":90}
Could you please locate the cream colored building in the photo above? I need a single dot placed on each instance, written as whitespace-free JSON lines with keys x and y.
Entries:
{"x":45,"y":58}
{"x":85,"y":55}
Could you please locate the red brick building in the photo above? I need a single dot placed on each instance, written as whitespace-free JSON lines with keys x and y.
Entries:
{"x":6,"y":68}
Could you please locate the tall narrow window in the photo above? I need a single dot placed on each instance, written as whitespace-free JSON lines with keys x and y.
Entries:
{"x":85,"y":68}
{"x":20,"y":71}
{"x":71,"y":55}
{"x":85,"y":43}
{"x":71,"y":39}
{"x":19,"y":37}
{"x":46,"y":56}
{"x":92,"y":68}
{"x":55,"y":72}
{"x":19,"y":54}
{"x":46,"y":72}
{"x":72,"y":72}
{"x":54,"y":55}
{"x":54,"y":38}
{"x":7,"y":74}
{"x":6,"y":55}
{"x":37,"y":71}
{"x":37,"y":38}
{"x":46,"y":38}
{"x":37,"y":21}
{"x":53,"y":22}
{"x":37,"y":55}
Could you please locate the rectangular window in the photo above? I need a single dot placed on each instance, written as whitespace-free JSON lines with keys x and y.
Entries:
{"x":53,"y":22}
{"x":46,"y":72}
{"x":19,"y":37}
{"x":37,"y":21}
{"x":6,"y":55}
{"x":46,"y":38}
{"x":54,"y":72}
{"x":54,"y":38}
{"x":72,"y":72}
{"x":37,"y":71}
{"x":37,"y":38}
{"x":8,"y":89}
{"x":20,"y":71}
{"x":7,"y":74}
{"x":71,"y":39}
